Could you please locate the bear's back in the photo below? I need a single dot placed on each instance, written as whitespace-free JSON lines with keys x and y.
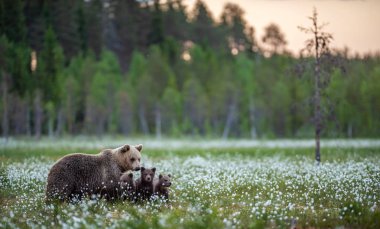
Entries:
{"x":79,"y":173}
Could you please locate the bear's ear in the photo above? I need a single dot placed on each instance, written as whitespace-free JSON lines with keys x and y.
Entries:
{"x":139,"y":147}
{"x":125,"y":148}
{"x":169,"y":175}
{"x":142,"y":169}
{"x":160,"y":176}
{"x":154,"y":169}
{"x":130,"y":175}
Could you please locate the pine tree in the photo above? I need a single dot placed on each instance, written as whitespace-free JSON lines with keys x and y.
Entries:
{"x":131,"y":26}
{"x":204,"y":30}
{"x":12,"y":20}
{"x":275,"y":39}
{"x":236,"y":26}
{"x":50,"y":63}
{"x":5,"y":69}
{"x":93,"y":27}
{"x":156,"y":35}
{"x":175,"y":21}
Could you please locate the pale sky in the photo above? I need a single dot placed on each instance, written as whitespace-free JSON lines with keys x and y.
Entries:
{"x":353,"y":23}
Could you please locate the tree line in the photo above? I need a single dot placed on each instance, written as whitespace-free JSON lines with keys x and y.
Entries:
{"x":148,"y":67}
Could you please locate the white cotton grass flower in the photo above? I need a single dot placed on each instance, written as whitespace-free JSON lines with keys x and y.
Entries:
{"x":232,"y":189}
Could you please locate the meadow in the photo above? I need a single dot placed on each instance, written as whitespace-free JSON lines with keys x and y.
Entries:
{"x":227,"y":184}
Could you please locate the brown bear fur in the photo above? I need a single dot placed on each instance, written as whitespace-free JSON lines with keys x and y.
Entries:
{"x":161,"y":186}
{"x":127,"y":185}
{"x":144,"y":185}
{"x":76,"y":175}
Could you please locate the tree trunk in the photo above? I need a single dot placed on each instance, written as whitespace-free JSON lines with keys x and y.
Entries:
{"x":28,"y":118}
{"x":158,"y":121}
{"x":69,"y":113}
{"x":319,"y":43}
{"x":252,"y":120}
{"x":125,"y":113}
{"x":101,"y":121}
{"x":5,"y":118}
{"x":89,"y":119}
{"x":110,"y":116}
{"x":349,"y":130}
{"x":18,"y":109}
{"x":230,"y":119}
{"x":51,"y":125}
{"x":60,"y":122}
{"x":38,"y":115}
{"x":143,"y":122}
{"x":317,"y":105}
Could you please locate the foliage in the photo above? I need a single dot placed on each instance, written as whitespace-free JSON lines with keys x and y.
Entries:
{"x":162,"y":69}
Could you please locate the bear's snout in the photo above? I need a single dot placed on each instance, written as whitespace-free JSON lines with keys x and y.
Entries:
{"x":148,"y":178}
{"x":167,"y":184}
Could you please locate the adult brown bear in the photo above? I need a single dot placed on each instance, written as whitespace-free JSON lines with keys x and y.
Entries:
{"x":78,"y":175}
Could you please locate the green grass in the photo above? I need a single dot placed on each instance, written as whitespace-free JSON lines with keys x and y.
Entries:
{"x":328,"y":154}
{"x":212,"y":188}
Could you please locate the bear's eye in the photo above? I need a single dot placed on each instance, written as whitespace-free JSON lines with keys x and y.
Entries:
{"x":132,"y":159}
{"x":139,"y":159}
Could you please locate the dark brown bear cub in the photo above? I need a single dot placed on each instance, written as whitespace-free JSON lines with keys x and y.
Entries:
{"x":144,"y":184}
{"x":127,"y":186}
{"x":161,"y":186}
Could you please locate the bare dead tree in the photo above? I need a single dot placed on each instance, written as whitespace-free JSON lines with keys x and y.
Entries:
{"x":319,"y":46}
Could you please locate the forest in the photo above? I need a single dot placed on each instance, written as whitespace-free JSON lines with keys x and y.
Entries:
{"x":155,"y":68}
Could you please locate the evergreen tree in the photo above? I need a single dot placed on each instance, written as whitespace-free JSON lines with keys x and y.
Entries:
{"x":12,"y":20}
{"x":204,"y":31}
{"x":156,"y":35}
{"x":233,"y":21}
{"x":93,"y":11}
{"x":130,"y":24}
{"x":5,"y":69}
{"x":80,"y":20}
{"x":50,"y":63}
{"x":36,"y":24}
{"x":275,"y":39}
{"x":175,"y":21}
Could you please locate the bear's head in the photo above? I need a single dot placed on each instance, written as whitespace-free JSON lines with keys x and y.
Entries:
{"x":165,"y":180}
{"x":147,"y":175}
{"x":127,"y":177}
{"x":126,"y":180}
{"x":129,"y":157}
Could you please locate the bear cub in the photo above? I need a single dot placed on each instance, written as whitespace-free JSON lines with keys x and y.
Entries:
{"x":127,"y":186}
{"x":161,"y":186}
{"x":144,"y":185}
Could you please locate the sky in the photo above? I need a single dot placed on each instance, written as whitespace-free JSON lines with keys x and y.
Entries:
{"x":353,"y":23}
